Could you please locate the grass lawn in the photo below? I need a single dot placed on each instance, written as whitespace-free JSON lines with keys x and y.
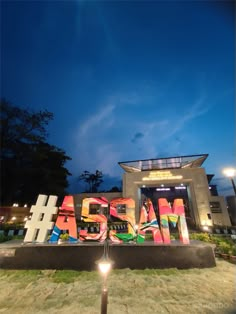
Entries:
{"x":209,"y":290}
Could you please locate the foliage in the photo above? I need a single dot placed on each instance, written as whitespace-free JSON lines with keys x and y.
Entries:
{"x":29,"y":165}
{"x":68,"y":276}
{"x":4,"y":238}
{"x":92,"y":179}
{"x":174,"y":235}
{"x":25,"y":276}
{"x":224,"y":247}
{"x":64,"y":236}
{"x":157,"y":272}
{"x":232,"y":250}
{"x":11,"y":226}
{"x":200,"y":236}
{"x":114,"y":189}
{"x":216,"y":239}
{"x":224,"y":244}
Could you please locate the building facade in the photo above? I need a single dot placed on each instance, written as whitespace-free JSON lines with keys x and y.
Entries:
{"x":231,"y":205}
{"x":171,"y":178}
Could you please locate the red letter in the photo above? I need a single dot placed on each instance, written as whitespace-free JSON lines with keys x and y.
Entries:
{"x":177,"y":215}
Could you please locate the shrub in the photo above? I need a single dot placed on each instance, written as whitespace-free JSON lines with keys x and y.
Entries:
{"x":4,"y":238}
{"x":64,"y":236}
{"x":224,"y":247}
{"x":200,"y":236}
{"x":216,"y":239}
{"x":232,"y":250}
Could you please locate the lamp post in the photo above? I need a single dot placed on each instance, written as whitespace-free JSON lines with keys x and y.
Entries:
{"x":230,"y":173}
{"x":104,"y":265}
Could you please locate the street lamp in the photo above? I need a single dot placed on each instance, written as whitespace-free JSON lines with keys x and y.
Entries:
{"x":230,"y":173}
{"x":104,"y":265}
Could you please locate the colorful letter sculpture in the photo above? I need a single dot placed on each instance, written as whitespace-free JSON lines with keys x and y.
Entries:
{"x":41,"y":221}
{"x":94,"y":210}
{"x":102,"y":220}
{"x":65,"y":221}
{"x":122,"y":210}
{"x":174,"y":216}
{"x":182,"y":225}
{"x":148,"y":222}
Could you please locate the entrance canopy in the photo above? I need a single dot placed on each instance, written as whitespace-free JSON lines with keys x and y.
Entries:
{"x":192,"y":161}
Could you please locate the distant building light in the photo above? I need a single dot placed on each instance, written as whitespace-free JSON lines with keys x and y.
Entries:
{"x":13,"y":218}
{"x":25,"y":205}
{"x":180,"y":187}
{"x":229,"y":172}
{"x":162,"y":189}
{"x":209,"y":187}
{"x":15,"y":205}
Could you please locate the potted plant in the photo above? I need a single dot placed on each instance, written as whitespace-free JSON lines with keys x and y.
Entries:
{"x":224,"y":249}
{"x":232,"y":254}
{"x":64,"y":237}
{"x":172,"y":237}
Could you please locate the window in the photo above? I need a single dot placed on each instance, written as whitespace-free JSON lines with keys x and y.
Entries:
{"x":103,"y":210}
{"x":215,"y":207}
{"x":93,"y":228}
{"x":121,"y":208}
{"x":94,"y":209}
{"x":97,"y":209}
{"x":209,"y":216}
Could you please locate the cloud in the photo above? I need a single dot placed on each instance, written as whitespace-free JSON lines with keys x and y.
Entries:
{"x":103,"y":140}
{"x":177,"y":123}
{"x":170,"y":126}
{"x":101,"y":117}
{"x":137,"y":136}
{"x":92,"y":144}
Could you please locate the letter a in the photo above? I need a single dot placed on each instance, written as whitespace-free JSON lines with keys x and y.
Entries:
{"x":65,"y":221}
{"x":148,"y":222}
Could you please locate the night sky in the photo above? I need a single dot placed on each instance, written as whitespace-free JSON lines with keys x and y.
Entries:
{"x":126,"y":80}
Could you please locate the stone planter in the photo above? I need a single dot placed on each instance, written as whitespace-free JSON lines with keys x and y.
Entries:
{"x":62,"y":241}
{"x":224,"y":255}
{"x":232,"y":259}
{"x":217,"y":254}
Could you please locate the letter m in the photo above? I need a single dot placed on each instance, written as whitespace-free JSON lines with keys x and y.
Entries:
{"x":174,"y":215}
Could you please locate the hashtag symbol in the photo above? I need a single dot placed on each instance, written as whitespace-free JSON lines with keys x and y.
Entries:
{"x":41,"y":220}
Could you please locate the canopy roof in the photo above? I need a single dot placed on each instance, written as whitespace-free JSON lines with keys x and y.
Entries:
{"x":192,"y":161}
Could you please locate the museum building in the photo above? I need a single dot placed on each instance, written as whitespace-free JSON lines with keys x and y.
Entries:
{"x":170,"y":178}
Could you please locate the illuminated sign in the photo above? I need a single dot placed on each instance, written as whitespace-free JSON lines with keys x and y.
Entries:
{"x":41,"y":219}
{"x":102,"y":220}
{"x":161,"y":175}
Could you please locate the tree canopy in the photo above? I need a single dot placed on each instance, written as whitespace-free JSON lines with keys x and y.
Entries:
{"x":29,"y":165}
{"x":92,"y":179}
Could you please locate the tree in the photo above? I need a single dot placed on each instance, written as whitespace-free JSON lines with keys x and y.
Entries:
{"x":29,"y":165}
{"x":114,"y":189}
{"x":93,"y":179}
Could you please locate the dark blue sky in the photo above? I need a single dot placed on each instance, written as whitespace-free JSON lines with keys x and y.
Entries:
{"x":125,"y":80}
